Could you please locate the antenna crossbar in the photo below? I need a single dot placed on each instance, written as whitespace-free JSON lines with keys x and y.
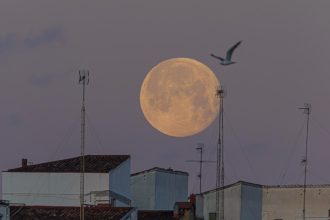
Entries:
{"x":200,"y":148}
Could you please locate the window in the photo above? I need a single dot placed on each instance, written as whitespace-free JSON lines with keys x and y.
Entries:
{"x":212,"y":216}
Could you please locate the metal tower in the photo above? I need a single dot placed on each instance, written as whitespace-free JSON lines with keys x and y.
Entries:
{"x":307,"y":110}
{"x":200,"y":148}
{"x":220,"y":191}
{"x":83,"y":80}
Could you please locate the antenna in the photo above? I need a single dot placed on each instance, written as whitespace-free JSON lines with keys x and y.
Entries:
{"x":307,"y":110}
{"x":220,"y":181}
{"x":200,"y":147}
{"x":83,"y":80}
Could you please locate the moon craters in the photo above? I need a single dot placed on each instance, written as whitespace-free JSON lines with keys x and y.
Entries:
{"x":178,"y":97}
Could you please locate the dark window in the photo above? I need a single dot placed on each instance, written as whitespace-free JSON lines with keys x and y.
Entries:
{"x":212,"y":216}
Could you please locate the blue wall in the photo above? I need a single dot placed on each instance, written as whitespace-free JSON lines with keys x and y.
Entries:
{"x":119,"y":181}
{"x":170,"y":188}
{"x":251,"y":198}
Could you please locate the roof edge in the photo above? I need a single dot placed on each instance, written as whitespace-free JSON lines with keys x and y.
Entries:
{"x":161,"y":170}
{"x":234,"y":184}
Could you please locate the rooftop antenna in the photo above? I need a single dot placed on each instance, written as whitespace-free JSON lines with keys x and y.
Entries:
{"x":200,"y":147}
{"x":220,"y":174}
{"x":83,"y":80}
{"x":220,"y":181}
{"x":307,"y":110}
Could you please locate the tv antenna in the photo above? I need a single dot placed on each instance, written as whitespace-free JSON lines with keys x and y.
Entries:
{"x":83,"y":80}
{"x":307,"y":110}
{"x":200,"y":147}
{"x":220,"y":176}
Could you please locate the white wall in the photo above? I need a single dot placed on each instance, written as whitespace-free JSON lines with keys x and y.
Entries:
{"x":119,"y":180}
{"x":53,"y":189}
{"x":232,"y":203}
{"x":199,"y":205}
{"x":287,"y":203}
{"x":143,"y":191}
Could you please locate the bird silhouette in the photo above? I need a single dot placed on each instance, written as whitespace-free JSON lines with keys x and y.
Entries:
{"x":227,"y":61}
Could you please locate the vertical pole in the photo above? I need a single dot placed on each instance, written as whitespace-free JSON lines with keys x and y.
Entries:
{"x":220,"y":163}
{"x":200,"y":148}
{"x":200,"y":171}
{"x":84,"y":80}
{"x":222,"y":184}
{"x":307,"y":111}
{"x":82,"y":159}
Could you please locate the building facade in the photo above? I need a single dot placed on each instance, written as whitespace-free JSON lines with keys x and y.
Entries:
{"x":57,"y":183}
{"x":248,"y":201}
{"x":158,"y":189}
{"x":242,"y":202}
{"x":286,"y":202}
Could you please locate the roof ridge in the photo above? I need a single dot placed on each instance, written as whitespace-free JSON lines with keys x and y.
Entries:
{"x":296,"y":185}
{"x":160,"y":169}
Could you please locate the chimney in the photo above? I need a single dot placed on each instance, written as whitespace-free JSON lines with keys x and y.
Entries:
{"x":24,"y":162}
{"x":192,"y":199}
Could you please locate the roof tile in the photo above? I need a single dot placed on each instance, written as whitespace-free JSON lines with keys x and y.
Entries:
{"x":67,"y":213}
{"x":93,"y":164}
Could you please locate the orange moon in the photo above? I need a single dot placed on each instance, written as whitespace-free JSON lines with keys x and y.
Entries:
{"x":178,"y":98}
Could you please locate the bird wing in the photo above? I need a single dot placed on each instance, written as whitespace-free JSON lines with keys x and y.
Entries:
{"x":231,"y":50}
{"x":219,"y":58}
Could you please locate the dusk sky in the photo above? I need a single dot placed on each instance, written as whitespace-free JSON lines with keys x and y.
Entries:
{"x":282,"y":63}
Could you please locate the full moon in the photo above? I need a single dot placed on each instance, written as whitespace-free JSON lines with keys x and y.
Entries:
{"x":178,"y":97}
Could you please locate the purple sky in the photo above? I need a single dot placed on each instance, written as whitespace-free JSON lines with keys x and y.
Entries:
{"x":282,"y":63}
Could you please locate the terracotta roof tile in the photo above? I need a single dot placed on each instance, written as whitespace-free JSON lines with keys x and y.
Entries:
{"x":67,"y":213}
{"x":93,"y":164}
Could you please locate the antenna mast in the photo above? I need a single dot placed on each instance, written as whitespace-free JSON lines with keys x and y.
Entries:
{"x":307,"y":110}
{"x":83,"y":80}
{"x":200,"y":148}
{"x":220,"y":194}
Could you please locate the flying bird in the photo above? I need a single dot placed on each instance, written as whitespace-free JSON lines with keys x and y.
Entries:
{"x":227,"y":61}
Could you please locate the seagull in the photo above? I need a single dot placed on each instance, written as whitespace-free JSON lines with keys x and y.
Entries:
{"x":227,"y":61}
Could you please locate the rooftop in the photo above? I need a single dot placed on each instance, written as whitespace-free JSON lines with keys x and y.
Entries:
{"x":235,"y":184}
{"x":67,"y":213}
{"x":93,"y":164}
{"x":158,"y":169}
{"x":269,"y":186}
{"x":298,"y":186}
